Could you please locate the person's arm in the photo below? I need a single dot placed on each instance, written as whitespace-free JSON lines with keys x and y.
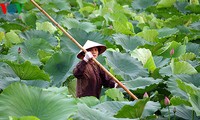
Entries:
{"x":80,"y":67}
{"x":107,"y":80}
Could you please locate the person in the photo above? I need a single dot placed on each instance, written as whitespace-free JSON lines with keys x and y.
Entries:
{"x":90,"y":77}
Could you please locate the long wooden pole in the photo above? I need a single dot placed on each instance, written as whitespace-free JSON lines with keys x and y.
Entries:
{"x":71,"y":38}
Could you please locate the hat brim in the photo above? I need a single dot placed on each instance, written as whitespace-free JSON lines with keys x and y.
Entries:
{"x":101,"y":49}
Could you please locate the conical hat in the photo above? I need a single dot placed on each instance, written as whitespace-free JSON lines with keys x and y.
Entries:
{"x":91,"y":44}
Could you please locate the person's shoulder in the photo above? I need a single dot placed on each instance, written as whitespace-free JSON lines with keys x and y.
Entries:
{"x":82,"y":62}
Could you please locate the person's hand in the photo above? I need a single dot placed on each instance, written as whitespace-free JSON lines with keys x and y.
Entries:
{"x":88,"y":56}
{"x":116,"y":85}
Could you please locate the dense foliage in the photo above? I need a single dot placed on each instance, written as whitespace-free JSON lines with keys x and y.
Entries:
{"x":153,"y":49}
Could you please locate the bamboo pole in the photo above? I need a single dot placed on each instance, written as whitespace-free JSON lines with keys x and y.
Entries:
{"x":73,"y":40}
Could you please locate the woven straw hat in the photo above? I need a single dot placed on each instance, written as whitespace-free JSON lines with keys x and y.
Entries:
{"x":91,"y":44}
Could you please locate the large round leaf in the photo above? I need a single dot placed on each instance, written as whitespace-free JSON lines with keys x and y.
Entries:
{"x":74,"y":23}
{"x":142,"y":85}
{"x":179,"y":49}
{"x":32,"y":34}
{"x":142,"y":4}
{"x":127,"y":42}
{"x":29,"y":50}
{"x":59,"y":66}
{"x":193,"y":47}
{"x":175,"y":90}
{"x":125,"y":65}
{"x":7,"y":75}
{"x":134,"y":112}
{"x":20,"y":100}
{"x":145,"y":56}
{"x":111,"y":107}
{"x":86,"y":113}
{"x":27,"y":71}
{"x":182,"y":112}
{"x":182,"y":67}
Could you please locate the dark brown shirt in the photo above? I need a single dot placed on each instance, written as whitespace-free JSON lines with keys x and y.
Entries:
{"x":90,"y":79}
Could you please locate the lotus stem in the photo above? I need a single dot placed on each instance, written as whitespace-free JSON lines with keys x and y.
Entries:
{"x":174,"y":110}
{"x":168,"y":113}
{"x":192,"y":114}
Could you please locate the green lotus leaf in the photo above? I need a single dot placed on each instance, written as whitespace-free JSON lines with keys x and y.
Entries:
{"x":142,"y":85}
{"x":180,"y":5}
{"x":164,"y":34}
{"x":7,"y":75}
{"x":123,"y":27}
{"x":193,"y":93}
{"x":135,"y":111}
{"x":59,"y":66}
{"x":187,"y":56}
{"x":36,"y":34}
{"x":23,"y":1}
{"x":182,"y":67}
{"x":20,"y":100}
{"x":182,"y":112}
{"x":193,"y":8}
{"x":55,"y":6}
{"x":160,"y":61}
{"x":44,"y":56}
{"x":150,"y":108}
{"x":61,"y":90}
{"x":120,"y":20}
{"x":112,"y":107}
{"x":165,"y":3}
{"x":12,"y":38}
{"x":178,"y":49}
{"x":125,"y":65}
{"x":175,"y":90}
{"x":2,"y":36}
{"x":149,"y":35}
{"x":194,"y":100}
{"x":29,"y":51}
{"x":29,"y":19}
{"x":87,"y":10}
{"x":115,"y":94}
{"x":24,"y":118}
{"x":84,"y":112}
{"x":188,"y":78}
{"x":73,"y":23}
{"x":27,"y":71}
{"x":194,"y":48}
{"x":127,"y":42}
{"x":145,"y":56}
{"x":8,"y":26}
{"x":167,"y":32}
{"x":71,"y":85}
{"x":142,"y":4}
{"x":46,"y":26}
{"x":187,"y":87}
{"x":195,"y":25}
{"x":179,"y":101}
{"x":90,"y":101}
{"x":181,"y":20}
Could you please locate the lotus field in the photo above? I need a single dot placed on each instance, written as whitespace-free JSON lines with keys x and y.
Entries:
{"x":153,"y":48}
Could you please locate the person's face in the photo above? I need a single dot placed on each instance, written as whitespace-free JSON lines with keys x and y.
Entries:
{"x":94,"y":51}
